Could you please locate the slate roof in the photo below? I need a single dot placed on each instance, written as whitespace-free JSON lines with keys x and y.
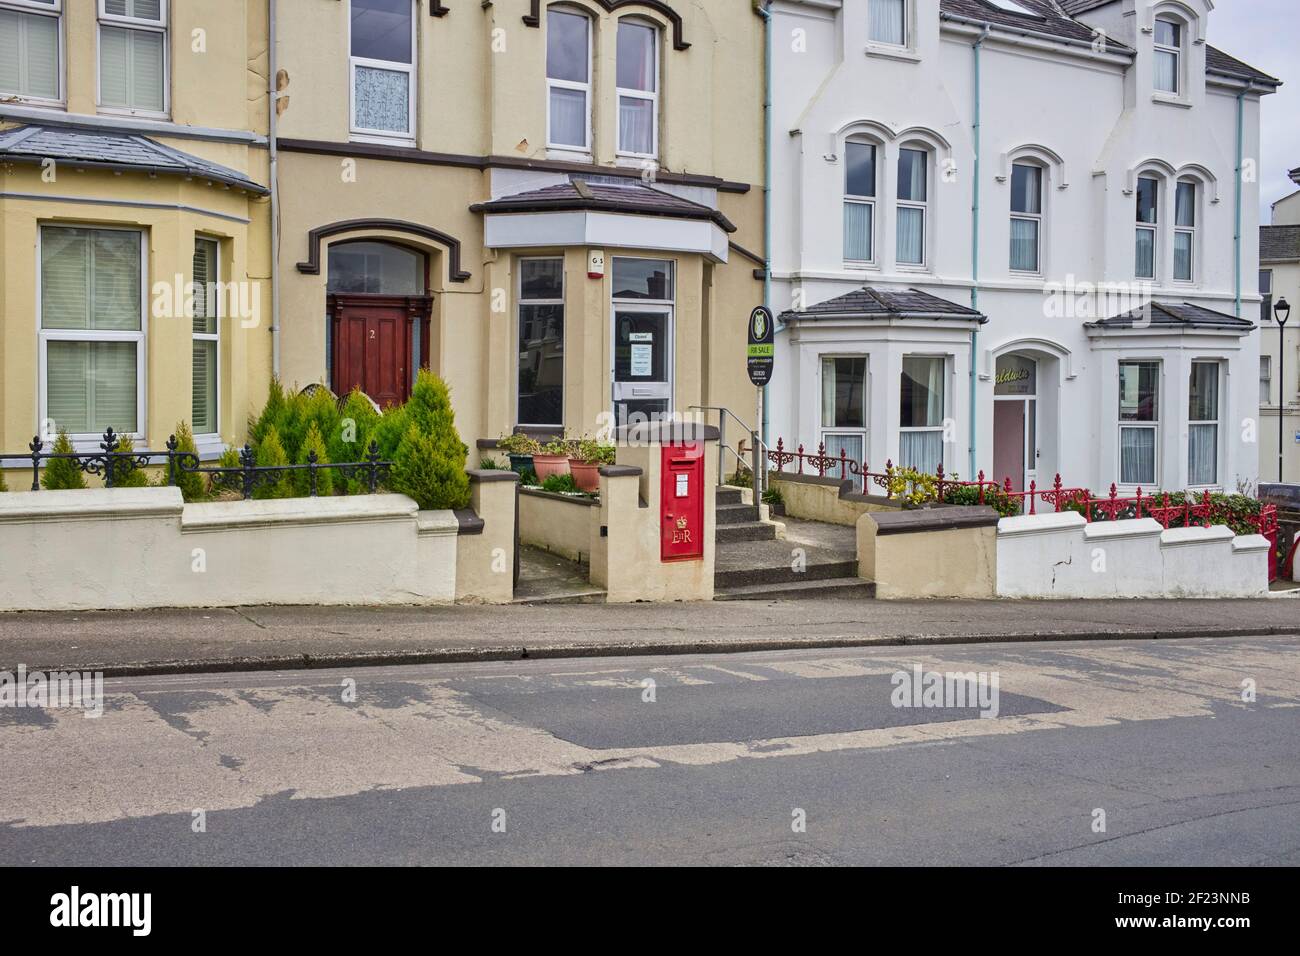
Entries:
{"x":1073,"y":7}
{"x":1279,"y":242}
{"x":637,"y":200}
{"x":1221,"y":64}
{"x":872,"y":303}
{"x":106,"y":149}
{"x":1167,"y":316}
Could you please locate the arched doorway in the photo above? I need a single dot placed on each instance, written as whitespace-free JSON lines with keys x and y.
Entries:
{"x":378,"y":318}
{"x":1015,"y":420}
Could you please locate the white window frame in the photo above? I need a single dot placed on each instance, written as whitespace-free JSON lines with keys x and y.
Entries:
{"x":621,"y":92}
{"x":163,"y":26}
{"x":1186,"y":230}
{"x":1152,"y":425}
{"x":1265,"y":380}
{"x":214,"y":337}
{"x":362,"y":134}
{"x":1038,"y":217}
{"x":907,"y":30}
{"x":520,"y":302}
{"x":44,"y":336}
{"x":54,"y":10}
{"x":864,"y":432}
{"x":924,"y":207}
{"x":945,"y":372}
{"x":1266,"y":296}
{"x":653,"y":306}
{"x":858,"y":200}
{"x":1216,"y":422}
{"x":584,"y":88}
{"x":1151,"y":227}
{"x":1175,"y":51}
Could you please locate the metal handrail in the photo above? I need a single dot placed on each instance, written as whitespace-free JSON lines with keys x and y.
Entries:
{"x":759,"y":457}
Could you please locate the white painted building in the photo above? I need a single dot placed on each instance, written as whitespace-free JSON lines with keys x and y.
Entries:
{"x":904,"y":258}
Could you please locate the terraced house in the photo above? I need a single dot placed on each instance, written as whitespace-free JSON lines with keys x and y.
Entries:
{"x":1011,"y":236}
{"x":555,"y":206}
{"x":133,"y":181}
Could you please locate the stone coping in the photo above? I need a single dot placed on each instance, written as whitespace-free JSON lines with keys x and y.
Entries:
{"x":554,"y":496}
{"x":918,"y":520}
{"x":483,"y":476}
{"x":468,"y":522}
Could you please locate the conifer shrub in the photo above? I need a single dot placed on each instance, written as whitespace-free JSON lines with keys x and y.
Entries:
{"x":62,"y":474}
{"x":270,"y":453}
{"x":191,"y":484}
{"x":272,"y":413}
{"x":324,"y":477}
{"x":125,"y":472}
{"x":3,"y":487}
{"x":226,"y":482}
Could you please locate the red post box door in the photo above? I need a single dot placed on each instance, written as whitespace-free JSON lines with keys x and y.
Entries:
{"x":682,"y":503}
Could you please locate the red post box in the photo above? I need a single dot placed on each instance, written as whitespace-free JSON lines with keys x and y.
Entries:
{"x":682,"y":503}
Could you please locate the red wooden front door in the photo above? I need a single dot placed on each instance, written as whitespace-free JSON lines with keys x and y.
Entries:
{"x":373,"y":343}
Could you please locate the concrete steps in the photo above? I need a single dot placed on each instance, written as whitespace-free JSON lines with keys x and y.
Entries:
{"x":800,"y":591}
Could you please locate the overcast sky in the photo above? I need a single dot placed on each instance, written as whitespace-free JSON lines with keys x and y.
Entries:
{"x":1266,"y":34}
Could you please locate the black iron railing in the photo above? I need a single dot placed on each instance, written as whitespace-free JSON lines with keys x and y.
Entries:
{"x":114,"y":466}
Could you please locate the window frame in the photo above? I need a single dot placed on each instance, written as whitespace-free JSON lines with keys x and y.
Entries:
{"x":587,"y":88}
{"x":1265,"y":380}
{"x":363,"y":134}
{"x":905,"y":43}
{"x":861,"y":200}
{"x":944,"y":373}
{"x":520,"y":302}
{"x":163,"y":26}
{"x":214,"y":337}
{"x":1038,"y":218}
{"x":1217,"y":422}
{"x":1175,"y":51}
{"x":55,"y":11}
{"x":139,"y":337}
{"x":923,"y":205}
{"x":1189,"y":231}
{"x":620,"y":92}
{"x":1152,"y":425}
{"x":1266,"y":296}
{"x":862,"y":432}
{"x":1152,"y":227}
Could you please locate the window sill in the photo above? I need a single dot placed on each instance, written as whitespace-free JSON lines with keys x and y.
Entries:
{"x":1169,"y":99}
{"x":163,"y":117}
{"x":886,"y":52}
{"x":36,"y":104}
{"x":210,"y":447}
{"x":405,"y":142}
{"x":569,"y":155}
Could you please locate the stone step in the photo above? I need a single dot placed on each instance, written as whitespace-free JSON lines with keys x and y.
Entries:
{"x":734,"y":514}
{"x":749,"y":531}
{"x":777,"y":574}
{"x":728,"y":496}
{"x":799,"y":591}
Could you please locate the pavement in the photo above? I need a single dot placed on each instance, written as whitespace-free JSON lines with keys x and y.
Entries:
{"x":1115,"y":753}
{"x":262,"y":638}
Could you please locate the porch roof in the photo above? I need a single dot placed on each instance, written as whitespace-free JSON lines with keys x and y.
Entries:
{"x":578,"y":194}
{"x":1171,"y":317}
{"x":102,"y":149}
{"x":871,"y":304}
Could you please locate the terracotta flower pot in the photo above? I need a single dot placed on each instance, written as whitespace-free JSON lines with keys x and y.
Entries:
{"x":547,"y":465}
{"x":586,"y":474}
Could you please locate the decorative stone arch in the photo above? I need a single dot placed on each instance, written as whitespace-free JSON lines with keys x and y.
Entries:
{"x":1160,"y":167}
{"x":534,"y":16}
{"x":1040,"y":154}
{"x":884,"y":134}
{"x":1203,"y":175}
{"x":379,"y":229}
{"x":1193,"y":18}
{"x":1033,"y":345}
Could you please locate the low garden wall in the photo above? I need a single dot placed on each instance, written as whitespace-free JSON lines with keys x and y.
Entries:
{"x":832,"y":500}
{"x":930,"y":552}
{"x":567,"y":525}
{"x":131,"y":548}
{"x":1063,"y":556}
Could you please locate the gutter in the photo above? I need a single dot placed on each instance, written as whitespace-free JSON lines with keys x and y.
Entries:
{"x":273,"y":99}
{"x":1120,"y":49}
{"x":973,"y":413}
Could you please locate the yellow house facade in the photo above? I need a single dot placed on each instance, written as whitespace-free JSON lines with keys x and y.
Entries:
{"x":558,"y":207}
{"x":135,"y":240}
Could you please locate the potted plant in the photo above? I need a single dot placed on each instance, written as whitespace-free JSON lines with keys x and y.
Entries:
{"x":552,"y":459}
{"x":521,"y":449}
{"x":585,"y":462}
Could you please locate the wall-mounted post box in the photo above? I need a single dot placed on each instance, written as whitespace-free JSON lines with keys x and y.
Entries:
{"x":681,"y":503}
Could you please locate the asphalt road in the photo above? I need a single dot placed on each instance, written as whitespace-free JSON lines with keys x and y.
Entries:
{"x":572,"y":762}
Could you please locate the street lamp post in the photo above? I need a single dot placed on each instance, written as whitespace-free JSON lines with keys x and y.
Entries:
{"x":1282,"y":312}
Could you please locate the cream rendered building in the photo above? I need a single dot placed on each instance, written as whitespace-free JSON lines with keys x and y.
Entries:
{"x":557,"y":207}
{"x":133,"y":179}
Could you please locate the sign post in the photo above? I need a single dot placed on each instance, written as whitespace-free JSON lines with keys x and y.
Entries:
{"x":759,"y":360}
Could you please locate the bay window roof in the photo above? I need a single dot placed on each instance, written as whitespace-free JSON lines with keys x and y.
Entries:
{"x":1168,"y":316}
{"x":884,"y":304}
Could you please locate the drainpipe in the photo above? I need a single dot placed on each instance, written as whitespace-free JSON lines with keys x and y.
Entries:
{"x":273,"y":98}
{"x":766,"y":14}
{"x":1241,"y":154}
{"x":975,"y":256}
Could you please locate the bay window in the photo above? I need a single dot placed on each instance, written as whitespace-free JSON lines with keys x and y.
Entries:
{"x":133,"y":55}
{"x":920,"y":439}
{"x":540,"y":396}
{"x":844,"y":406}
{"x":382,"y":65}
{"x":1148,"y":195}
{"x":638,"y":89}
{"x":91,"y":332}
{"x":1169,"y":52}
{"x":1139,"y":422}
{"x":30,"y":64}
{"x":206,"y":332}
{"x":1203,"y":425}
{"x":859,"y":202}
{"x":568,"y":79}
{"x":1185,"y":231}
{"x":912,"y":190}
{"x":887,"y":22}
{"x":1026,"y":216}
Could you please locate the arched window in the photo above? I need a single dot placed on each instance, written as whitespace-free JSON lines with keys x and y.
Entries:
{"x":1169,"y":34}
{"x":1148,"y":225}
{"x":1185,"y":213}
{"x":1027,"y":217}
{"x":860,"y":178}
{"x":368,"y":267}
{"x":568,"y":79}
{"x":913,"y":204}
{"x":638,"y":88}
